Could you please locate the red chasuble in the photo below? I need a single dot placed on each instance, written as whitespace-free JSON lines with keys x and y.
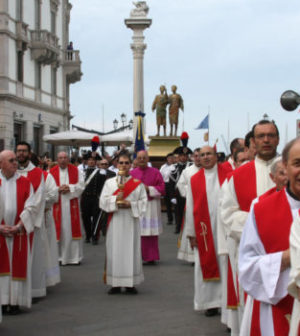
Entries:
{"x":206,"y":248}
{"x":244,"y":179}
{"x":273,"y":220}
{"x":129,"y":187}
{"x":74,"y":204}
{"x":18,"y":268}
{"x":35,"y":177}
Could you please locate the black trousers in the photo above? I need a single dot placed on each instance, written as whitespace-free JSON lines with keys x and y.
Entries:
{"x":179,"y":211}
{"x":168,"y":197}
{"x":90,"y":212}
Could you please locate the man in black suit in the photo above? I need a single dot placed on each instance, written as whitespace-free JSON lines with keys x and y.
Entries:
{"x":94,"y":182}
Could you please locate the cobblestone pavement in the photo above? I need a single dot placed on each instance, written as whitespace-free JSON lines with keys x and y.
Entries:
{"x":79,"y":305}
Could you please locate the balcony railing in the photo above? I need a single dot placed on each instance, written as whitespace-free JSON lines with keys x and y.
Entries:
{"x":44,"y":45}
{"x":72,"y":65}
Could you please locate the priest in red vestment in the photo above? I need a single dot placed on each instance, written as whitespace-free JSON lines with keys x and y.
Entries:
{"x":264,"y":260}
{"x":201,"y":225}
{"x":17,"y":217}
{"x":66,"y":211}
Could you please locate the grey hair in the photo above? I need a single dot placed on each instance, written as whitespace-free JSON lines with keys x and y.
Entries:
{"x":287,"y":148}
{"x":274,"y":165}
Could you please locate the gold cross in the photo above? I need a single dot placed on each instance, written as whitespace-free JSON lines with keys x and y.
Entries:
{"x":204,"y":234}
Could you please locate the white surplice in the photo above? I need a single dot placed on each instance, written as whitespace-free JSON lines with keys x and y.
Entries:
{"x":39,"y":246}
{"x":295,"y":274}
{"x":52,"y":265}
{"x":70,"y":250}
{"x":185,"y":251}
{"x":207,"y":293}
{"x":16,"y":292}
{"x":123,"y":240}
{"x":259,"y":274}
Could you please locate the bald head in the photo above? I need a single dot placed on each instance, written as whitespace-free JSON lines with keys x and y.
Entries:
{"x":142,"y":158}
{"x":291,"y":161}
{"x":8,"y":163}
{"x":208,"y":157}
{"x":62,"y":160}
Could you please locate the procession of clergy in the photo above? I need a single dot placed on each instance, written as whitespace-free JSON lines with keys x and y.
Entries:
{"x":238,"y":224}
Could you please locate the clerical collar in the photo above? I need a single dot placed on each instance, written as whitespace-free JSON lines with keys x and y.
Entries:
{"x":288,"y":190}
{"x":264,"y":162}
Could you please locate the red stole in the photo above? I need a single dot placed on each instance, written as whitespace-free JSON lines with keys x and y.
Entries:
{"x":18,"y":271}
{"x":244,"y":179}
{"x":274,"y":219}
{"x":227,"y":166}
{"x":35,"y":177}
{"x":232,"y":297}
{"x":203,"y":229}
{"x":129,"y":187}
{"x":74,"y":204}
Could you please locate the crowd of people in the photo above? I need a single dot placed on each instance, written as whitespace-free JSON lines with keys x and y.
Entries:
{"x":237,"y":220}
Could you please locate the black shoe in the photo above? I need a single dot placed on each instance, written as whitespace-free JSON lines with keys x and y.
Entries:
{"x":95,"y":242}
{"x":5,"y":309}
{"x":114,"y":290}
{"x":87,"y":240}
{"x":169,"y":223}
{"x":177,"y":231}
{"x":131,"y":290}
{"x":211,"y":312}
{"x":14,"y":310}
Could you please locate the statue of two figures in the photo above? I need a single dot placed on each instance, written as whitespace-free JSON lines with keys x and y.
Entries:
{"x":160,"y":104}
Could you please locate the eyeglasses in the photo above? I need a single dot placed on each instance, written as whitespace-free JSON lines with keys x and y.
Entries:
{"x":268,"y":135}
{"x":124,"y":162}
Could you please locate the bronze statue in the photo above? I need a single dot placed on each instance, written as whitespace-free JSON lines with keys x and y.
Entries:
{"x":160,"y":104}
{"x":176,"y":103}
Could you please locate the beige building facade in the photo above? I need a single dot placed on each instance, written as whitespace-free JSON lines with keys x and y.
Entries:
{"x":36,"y":70}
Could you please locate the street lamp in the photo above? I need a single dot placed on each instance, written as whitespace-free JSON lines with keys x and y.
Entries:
{"x":115,"y":123}
{"x":265,"y":116}
{"x":290,"y":100}
{"x":130,"y":124}
{"x":123,"y":119}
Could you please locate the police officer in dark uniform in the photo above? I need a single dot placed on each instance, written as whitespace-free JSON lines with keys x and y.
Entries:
{"x":94,"y":182}
{"x":183,"y":162}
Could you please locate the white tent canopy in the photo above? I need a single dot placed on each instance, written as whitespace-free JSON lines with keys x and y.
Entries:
{"x":70,"y":138}
{"x":82,"y":139}
{"x":115,"y":139}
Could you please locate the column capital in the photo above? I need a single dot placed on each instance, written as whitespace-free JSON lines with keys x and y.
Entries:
{"x":138,"y":49}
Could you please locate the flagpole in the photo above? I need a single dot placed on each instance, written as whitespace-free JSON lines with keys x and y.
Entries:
{"x":208,"y":124}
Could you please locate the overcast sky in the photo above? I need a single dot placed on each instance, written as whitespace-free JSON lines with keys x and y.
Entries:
{"x":234,"y":57}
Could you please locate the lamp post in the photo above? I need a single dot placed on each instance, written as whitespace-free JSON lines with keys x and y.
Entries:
{"x":123,"y":119}
{"x":115,"y":123}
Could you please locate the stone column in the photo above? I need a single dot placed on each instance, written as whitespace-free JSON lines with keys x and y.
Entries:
{"x":138,"y":22}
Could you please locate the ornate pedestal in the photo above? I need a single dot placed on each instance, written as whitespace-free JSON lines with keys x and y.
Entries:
{"x":160,"y":146}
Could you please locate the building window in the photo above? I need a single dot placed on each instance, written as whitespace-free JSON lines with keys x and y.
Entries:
{"x":18,"y":132}
{"x":19,"y":10}
{"x":53,"y":22}
{"x":38,"y":75}
{"x":52,"y":149}
{"x":20,"y":66}
{"x":37,"y":7}
{"x":53,"y":81}
{"x":37,"y":139}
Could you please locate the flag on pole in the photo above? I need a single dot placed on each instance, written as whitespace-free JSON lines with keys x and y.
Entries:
{"x":203,"y":124}
{"x":139,"y":137}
